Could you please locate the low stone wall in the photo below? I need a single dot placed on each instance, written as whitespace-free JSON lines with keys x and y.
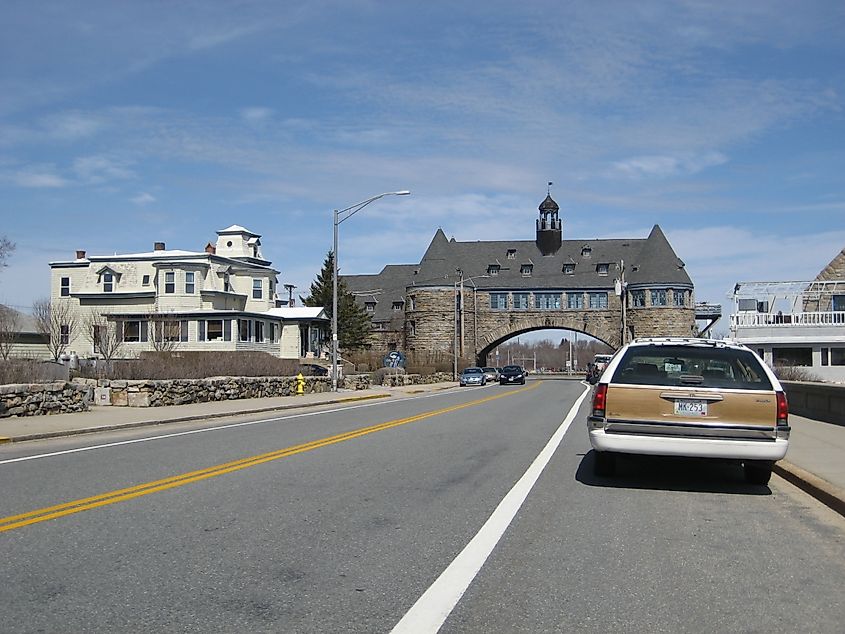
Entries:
{"x":61,"y":397}
{"x":159,"y":393}
{"x":37,"y":399}
{"x":819,"y":401}
{"x":397,"y":380}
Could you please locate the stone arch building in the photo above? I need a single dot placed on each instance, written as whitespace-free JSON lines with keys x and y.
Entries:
{"x":471,"y":296}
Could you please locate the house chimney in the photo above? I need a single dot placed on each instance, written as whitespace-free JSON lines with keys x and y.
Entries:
{"x":210,"y":248}
{"x":158,"y":246}
{"x":80,"y":255}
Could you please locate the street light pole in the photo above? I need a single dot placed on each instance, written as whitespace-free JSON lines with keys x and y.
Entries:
{"x":336,"y":220}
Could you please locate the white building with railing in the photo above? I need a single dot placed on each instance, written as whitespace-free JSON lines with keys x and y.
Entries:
{"x":795,"y":324}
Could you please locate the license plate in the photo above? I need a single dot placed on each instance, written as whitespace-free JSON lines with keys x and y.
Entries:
{"x":685,"y":407}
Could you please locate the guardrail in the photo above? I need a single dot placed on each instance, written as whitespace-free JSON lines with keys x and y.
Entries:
{"x":751,"y":320}
{"x":819,"y":401}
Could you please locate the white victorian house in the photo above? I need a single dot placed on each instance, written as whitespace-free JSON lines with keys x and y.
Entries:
{"x":220,"y":299}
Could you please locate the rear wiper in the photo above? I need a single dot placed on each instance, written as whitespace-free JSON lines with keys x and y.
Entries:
{"x":691,"y":379}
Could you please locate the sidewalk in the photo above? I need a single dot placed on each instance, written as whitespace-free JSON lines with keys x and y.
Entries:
{"x":99,"y":418}
{"x":815,"y":461}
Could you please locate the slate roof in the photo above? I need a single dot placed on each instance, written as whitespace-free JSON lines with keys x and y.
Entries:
{"x":649,"y":261}
{"x":383,"y":288}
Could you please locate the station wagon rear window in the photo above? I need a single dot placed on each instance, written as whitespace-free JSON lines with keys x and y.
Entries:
{"x":693,"y":366}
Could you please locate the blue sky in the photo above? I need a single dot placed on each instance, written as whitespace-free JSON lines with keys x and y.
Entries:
{"x":126,"y":123}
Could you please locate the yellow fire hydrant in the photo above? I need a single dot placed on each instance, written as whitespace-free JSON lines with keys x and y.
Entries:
{"x":300,"y":384}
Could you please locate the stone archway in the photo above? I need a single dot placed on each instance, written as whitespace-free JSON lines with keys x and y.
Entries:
{"x":605,"y":328}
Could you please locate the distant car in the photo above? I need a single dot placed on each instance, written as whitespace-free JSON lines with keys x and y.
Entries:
{"x":472,"y":376}
{"x":491,"y":374}
{"x":690,"y":397}
{"x":512,"y":374}
{"x":596,"y":367}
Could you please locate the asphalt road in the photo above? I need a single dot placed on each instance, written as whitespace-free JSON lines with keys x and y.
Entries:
{"x":348,"y":520}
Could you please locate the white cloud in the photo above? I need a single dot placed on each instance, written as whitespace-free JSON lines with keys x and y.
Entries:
{"x":143,"y":198}
{"x":37,"y":178}
{"x":71,"y":126}
{"x":100,"y":169}
{"x":256,"y":114}
{"x":668,"y":166}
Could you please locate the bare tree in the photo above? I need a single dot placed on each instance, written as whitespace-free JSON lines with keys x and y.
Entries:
{"x":165,"y":332}
{"x":10,"y":321}
{"x":103,"y":334}
{"x":6,"y":248}
{"x":57,"y":323}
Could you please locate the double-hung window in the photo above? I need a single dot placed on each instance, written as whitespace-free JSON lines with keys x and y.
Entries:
{"x":498,"y":301}
{"x":257,"y":288}
{"x":547,"y":301}
{"x":638,"y":298}
{"x":598,"y":300}
{"x":215,"y":329}
{"x":189,"y":282}
{"x":108,"y":282}
{"x":65,"y":287}
{"x":135,"y":331}
{"x":170,"y":282}
{"x":575,"y":300}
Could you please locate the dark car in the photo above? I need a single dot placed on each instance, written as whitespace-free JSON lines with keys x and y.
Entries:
{"x":512,"y":374}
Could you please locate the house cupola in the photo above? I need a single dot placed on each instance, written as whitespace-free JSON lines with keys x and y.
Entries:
{"x":549,"y":232}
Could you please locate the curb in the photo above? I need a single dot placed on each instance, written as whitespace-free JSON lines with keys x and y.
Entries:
{"x":828,"y":494}
{"x":183,"y":419}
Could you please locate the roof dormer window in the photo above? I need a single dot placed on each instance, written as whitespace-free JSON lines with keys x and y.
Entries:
{"x":370,"y":307}
{"x":586,"y":251}
{"x":109,"y":278}
{"x":398,"y":305}
{"x":526,"y":270}
{"x":602,"y":269}
{"x":511,"y":254}
{"x":493,"y":270}
{"x":569,"y":268}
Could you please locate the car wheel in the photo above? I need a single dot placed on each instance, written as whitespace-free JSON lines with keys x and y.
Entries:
{"x":757,"y":472}
{"x":604,"y":463}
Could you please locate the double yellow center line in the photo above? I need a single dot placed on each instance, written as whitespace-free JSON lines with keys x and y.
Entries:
{"x":121,"y":495}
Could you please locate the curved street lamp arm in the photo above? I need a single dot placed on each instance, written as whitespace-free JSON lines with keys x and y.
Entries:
{"x":354,"y":209}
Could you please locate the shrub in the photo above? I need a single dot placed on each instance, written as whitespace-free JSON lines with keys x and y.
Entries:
{"x":792,"y":373}
{"x":31,"y":371}
{"x":197,"y":365}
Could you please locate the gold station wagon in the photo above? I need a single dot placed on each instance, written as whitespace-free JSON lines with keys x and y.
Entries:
{"x":689,"y":397}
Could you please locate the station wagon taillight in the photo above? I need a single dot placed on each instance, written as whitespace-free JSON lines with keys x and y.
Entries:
{"x":599,"y":400}
{"x":783,"y":410}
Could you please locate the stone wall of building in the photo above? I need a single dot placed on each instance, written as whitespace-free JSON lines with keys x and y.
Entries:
{"x":661,"y":321}
{"x":430,"y":325}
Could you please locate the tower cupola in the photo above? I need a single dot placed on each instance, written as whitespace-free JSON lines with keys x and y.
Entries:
{"x":549,"y":231}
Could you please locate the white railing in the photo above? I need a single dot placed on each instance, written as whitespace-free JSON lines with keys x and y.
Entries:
{"x":767,"y":320}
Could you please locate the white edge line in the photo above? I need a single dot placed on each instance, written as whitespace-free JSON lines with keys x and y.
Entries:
{"x":432,"y":609}
{"x":208,"y":429}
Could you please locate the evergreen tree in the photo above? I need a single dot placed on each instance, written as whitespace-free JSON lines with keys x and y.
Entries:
{"x":353,"y":323}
